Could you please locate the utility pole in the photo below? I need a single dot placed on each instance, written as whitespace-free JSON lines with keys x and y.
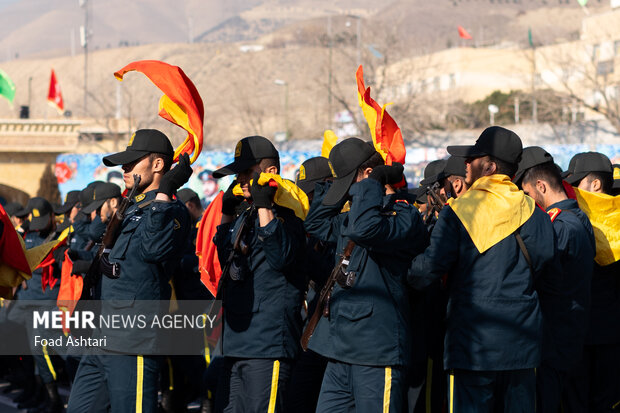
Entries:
{"x":329,"y":68}
{"x":84,"y":40}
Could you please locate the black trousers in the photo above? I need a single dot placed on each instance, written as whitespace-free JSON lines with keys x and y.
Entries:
{"x":253,"y":385}
{"x":549,"y":384}
{"x":594,"y":385}
{"x":508,"y":391}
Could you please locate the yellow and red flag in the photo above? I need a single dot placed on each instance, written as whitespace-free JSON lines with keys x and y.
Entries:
{"x":180,"y":104}
{"x":54,"y":95}
{"x":208,"y":261}
{"x":329,"y":141}
{"x":463,"y":34}
{"x":386,"y":134}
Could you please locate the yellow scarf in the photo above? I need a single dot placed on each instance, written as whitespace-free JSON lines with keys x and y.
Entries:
{"x":287,"y":195}
{"x":604,"y":213}
{"x":492,"y":209}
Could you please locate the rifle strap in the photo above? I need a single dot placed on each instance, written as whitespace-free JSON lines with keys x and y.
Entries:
{"x":526,"y":254}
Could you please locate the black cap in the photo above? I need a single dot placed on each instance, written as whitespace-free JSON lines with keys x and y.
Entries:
{"x":101,"y":193}
{"x":311,"y":171}
{"x":434,"y":172}
{"x":419,"y":193}
{"x":584,"y":163}
{"x":532,"y":156}
{"x":185,"y":195}
{"x":455,"y":166}
{"x":72,"y":198}
{"x":15,"y":209}
{"x":41,"y":211}
{"x":143,"y":142}
{"x":248,"y":152}
{"x":344,"y":160}
{"x":495,"y":141}
{"x":86,"y":194}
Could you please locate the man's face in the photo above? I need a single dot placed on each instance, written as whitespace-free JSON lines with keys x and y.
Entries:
{"x":142,"y":167}
{"x":532,"y":191}
{"x":475,"y":169}
{"x":244,"y":178}
{"x":107,"y":209}
{"x":209,"y":187}
{"x":74,"y":211}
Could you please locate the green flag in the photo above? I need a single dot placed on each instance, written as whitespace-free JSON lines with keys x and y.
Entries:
{"x":7,"y":87}
{"x":582,"y":3}
{"x":529,"y":36}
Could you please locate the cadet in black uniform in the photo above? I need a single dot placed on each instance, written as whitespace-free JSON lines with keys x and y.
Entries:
{"x":366,"y":336}
{"x":564,"y":292}
{"x":594,"y":384}
{"x":305,"y":385}
{"x":150,"y":246}
{"x":263,"y":292}
{"x":494,"y":325}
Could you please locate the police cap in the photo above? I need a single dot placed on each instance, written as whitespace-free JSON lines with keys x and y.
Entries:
{"x":142,"y":143}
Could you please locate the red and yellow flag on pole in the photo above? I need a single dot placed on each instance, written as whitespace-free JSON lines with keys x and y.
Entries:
{"x":54,"y":95}
{"x":208,"y":261}
{"x":386,"y":134}
{"x":181,"y":104}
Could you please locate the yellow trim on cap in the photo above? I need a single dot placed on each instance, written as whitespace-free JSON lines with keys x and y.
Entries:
{"x":36,"y":213}
{"x":131,"y":140}
{"x":302,"y":172}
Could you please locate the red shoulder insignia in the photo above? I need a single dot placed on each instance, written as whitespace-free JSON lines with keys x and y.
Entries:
{"x":553,"y":213}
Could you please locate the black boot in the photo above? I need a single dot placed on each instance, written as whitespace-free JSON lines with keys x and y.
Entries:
{"x":54,"y":403}
{"x":206,"y":405}
{"x":38,"y":395}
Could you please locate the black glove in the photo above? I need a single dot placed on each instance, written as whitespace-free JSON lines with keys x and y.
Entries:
{"x":230,"y":201}
{"x":80,"y":267}
{"x":176,"y":177}
{"x":262,"y":195}
{"x":59,"y":254}
{"x":387,"y":174}
{"x":73,"y":255}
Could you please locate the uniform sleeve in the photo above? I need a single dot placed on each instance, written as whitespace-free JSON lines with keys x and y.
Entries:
{"x":324,"y":221}
{"x":165,"y":231}
{"x":282,"y":239}
{"x":381,"y":231}
{"x":440,"y":255}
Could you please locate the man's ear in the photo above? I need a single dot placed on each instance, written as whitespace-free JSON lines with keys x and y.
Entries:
{"x":541,"y":186}
{"x":596,"y":185}
{"x":366,"y":172}
{"x":114,"y":202}
{"x":490,"y":168}
{"x":271,"y":169}
{"x":157,"y":165}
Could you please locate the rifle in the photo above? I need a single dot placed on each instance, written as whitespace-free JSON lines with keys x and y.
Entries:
{"x":322,"y":306}
{"x":109,"y":238}
{"x":436,"y":204}
{"x":239,"y":246}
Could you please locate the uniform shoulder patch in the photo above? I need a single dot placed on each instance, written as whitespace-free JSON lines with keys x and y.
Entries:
{"x":140,"y":197}
{"x":553,"y":213}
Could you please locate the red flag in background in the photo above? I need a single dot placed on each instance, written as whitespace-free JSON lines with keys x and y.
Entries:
{"x":181,"y":104}
{"x":11,"y":250}
{"x":208,"y":261}
{"x":54,"y":96}
{"x":463,"y":33}
{"x":386,"y":134}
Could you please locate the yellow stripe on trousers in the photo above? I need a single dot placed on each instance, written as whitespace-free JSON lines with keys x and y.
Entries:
{"x":139,"y":383}
{"x":387,"y":392}
{"x":451,"y":391}
{"x":275,"y":376}
{"x":48,"y":360}
{"x":170,"y":375}
{"x":429,"y":384}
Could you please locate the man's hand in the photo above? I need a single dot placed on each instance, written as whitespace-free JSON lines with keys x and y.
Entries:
{"x":175,"y":177}
{"x":387,"y":174}
{"x":262,"y":195}
{"x":230,"y":201}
